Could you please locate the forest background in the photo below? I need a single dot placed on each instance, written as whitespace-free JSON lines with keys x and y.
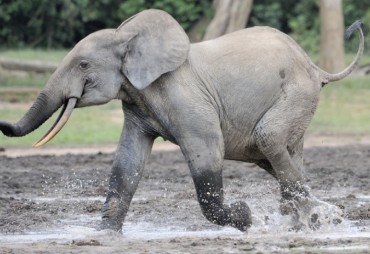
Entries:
{"x":62,"y":23}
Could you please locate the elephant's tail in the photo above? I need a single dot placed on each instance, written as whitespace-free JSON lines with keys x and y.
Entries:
{"x":327,"y":77}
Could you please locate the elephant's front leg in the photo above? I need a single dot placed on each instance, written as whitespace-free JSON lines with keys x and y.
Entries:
{"x":205,"y":158}
{"x":133,"y":150}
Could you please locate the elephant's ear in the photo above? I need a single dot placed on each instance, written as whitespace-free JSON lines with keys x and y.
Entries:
{"x":156,"y":44}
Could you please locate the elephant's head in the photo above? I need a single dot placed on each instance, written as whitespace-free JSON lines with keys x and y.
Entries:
{"x":140,"y":50}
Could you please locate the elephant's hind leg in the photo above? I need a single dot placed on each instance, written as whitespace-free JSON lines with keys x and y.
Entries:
{"x":204,"y":154}
{"x":278,"y":136}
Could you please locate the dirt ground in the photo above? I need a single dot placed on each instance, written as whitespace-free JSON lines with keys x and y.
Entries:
{"x":51,"y":204}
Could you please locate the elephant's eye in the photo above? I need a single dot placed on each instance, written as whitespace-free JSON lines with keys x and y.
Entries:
{"x":84,"y":65}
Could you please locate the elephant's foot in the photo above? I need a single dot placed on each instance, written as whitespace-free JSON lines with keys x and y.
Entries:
{"x":237,"y":215}
{"x":110,"y":224}
{"x":240,"y":216}
{"x":311,"y":212}
{"x":113,"y":213}
{"x":324,"y":214}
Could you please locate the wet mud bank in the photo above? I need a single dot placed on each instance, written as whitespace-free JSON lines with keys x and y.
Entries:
{"x":52,"y":203}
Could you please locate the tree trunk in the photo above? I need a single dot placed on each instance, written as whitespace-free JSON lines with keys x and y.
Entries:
{"x":198,"y":30}
{"x":27,"y":65}
{"x":332,"y":36}
{"x":230,"y":15}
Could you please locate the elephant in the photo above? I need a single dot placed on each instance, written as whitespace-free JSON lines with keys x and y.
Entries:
{"x":247,"y":96}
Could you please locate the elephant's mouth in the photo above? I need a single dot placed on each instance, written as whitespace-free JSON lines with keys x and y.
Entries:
{"x":59,"y":123}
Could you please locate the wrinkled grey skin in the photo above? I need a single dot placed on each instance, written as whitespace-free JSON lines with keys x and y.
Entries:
{"x":247,"y":96}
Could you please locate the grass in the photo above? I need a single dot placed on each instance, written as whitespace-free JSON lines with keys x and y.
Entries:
{"x":54,"y":55}
{"x":348,"y":58}
{"x":35,"y":81}
{"x":344,"y":108}
{"x":365,"y":59}
{"x":87,"y":126}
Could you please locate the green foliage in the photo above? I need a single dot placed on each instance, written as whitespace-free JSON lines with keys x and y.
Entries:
{"x":297,"y":18}
{"x":39,"y":22}
{"x":301,"y":20}
{"x":310,"y":38}
{"x":267,"y":13}
{"x":304,"y":23}
{"x":354,"y":10}
{"x":62,"y":23}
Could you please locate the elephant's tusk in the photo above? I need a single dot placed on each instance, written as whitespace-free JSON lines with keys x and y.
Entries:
{"x":59,"y":123}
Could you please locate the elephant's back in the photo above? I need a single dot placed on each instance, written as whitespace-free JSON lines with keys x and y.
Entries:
{"x":256,"y":45}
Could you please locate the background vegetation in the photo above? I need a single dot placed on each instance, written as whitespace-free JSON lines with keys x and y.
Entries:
{"x":62,"y":23}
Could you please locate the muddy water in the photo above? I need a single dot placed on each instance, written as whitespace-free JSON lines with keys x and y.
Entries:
{"x":52,"y":204}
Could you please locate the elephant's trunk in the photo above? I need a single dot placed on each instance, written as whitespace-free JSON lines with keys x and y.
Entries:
{"x":59,"y":123}
{"x":44,"y":106}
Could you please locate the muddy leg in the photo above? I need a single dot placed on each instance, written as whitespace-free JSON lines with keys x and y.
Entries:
{"x":128,"y":166}
{"x":265,"y":164}
{"x":296,"y":198}
{"x":205,"y":162}
{"x":296,"y":153}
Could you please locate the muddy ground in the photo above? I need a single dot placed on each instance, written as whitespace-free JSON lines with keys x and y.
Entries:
{"x":51,"y":204}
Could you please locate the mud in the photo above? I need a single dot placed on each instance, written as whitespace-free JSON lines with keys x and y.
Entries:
{"x":51,"y":204}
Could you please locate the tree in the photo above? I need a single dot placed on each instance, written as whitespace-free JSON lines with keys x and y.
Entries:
{"x":62,"y":23}
{"x":332,"y":36}
{"x":230,"y":15}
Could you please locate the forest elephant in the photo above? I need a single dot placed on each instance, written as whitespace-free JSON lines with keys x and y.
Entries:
{"x":248,"y":96}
